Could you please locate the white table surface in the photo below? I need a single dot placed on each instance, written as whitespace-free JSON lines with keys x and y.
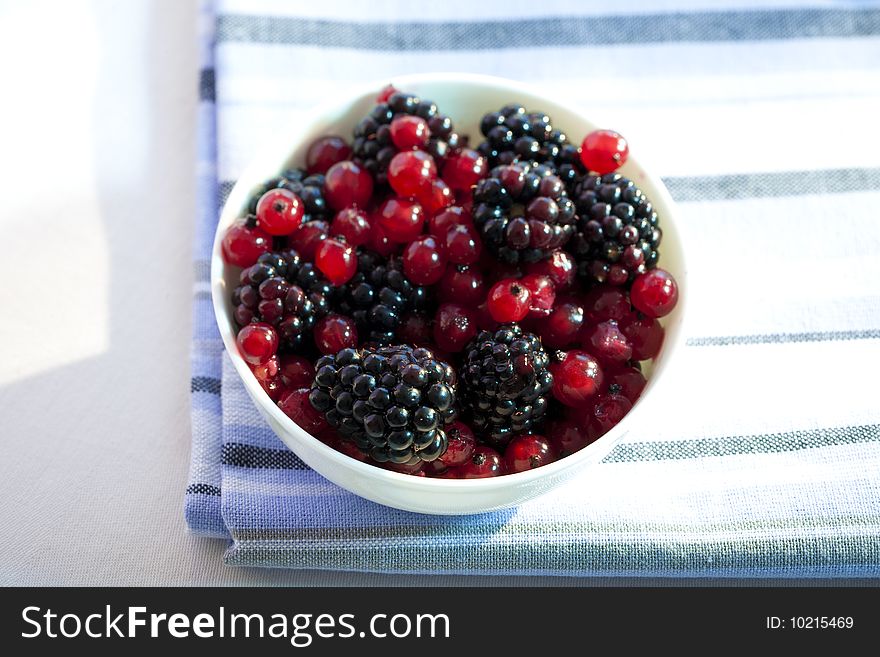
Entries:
{"x":97,"y":149}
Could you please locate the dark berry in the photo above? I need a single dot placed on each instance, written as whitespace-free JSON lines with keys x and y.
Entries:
{"x":608,"y":411}
{"x":568,"y":436}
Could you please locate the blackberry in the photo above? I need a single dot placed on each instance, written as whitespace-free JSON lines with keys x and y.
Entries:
{"x":516,"y":135}
{"x":379,"y":297}
{"x":310,"y":190}
{"x":282,"y":291}
{"x":618,"y":230}
{"x":372,"y":144}
{"x":505,"y":383}
{"x":392,"y":402}
{"x":523,"y":212}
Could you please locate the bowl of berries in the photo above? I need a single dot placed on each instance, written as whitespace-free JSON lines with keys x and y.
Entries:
{"x":447,"y":294}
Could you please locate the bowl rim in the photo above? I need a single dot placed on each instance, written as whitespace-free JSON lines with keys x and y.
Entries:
{"x":276,"y":150}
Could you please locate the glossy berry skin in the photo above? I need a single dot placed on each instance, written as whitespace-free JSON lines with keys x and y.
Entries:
{"x":308,"y":237}
{"x":279,"y":212}
{"x":605,"y":302}
{"x":297,"y":407}
{"x":542,"y":294}
{"x":484,"y":462}
{"x":528,"y":452}
{"x":440,"y":223}
{"x":608,"y":412}
{"x":352,"y":224}
{"x":325,"y":152}
{"x":296,"y":371}
{"x":644,"y":334}
{"x":654,"y":293}
{"x":336,"y":260}
{"x":334,"y":333}
{"x":626,"y":381}
{"x":607,"y":343}
{"x":567,"y":436}
{"x":401,"y":220}
{"x":560,"y":267}
{"x":461,"y":445}
{"x":409,"y":132}
{"x":257,"y":342}
{"x":411,"y":172}
{"x":424,"y":260}
{"x":379,"y":241}
{"x":563,"y":326}
{"x":242,"y":246}
{"x":463,"y":244}
{"x":462,"y":285}
{"x":577,"y":378}
{"x":454,"y":327}
{"x":435,"y":197}
{"x":465,"y":169}
{"x":604,"y":151}
{"x":346,"y":183}
{"x":508,"y":301}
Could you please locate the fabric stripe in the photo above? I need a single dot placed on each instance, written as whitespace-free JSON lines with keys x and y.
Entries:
{"x":773,"y":443}
{"x":781,"y":338}
{"x":248,"y":456}
{"x":207,"y":86}
{"x":205,"y":384}
{"x":553,"y":31}
{"x":203,"y":489}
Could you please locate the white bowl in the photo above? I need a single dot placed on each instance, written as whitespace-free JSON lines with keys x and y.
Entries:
{"x":465,"y":98}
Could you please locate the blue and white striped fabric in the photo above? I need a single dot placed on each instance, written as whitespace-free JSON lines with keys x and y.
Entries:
{"x":761,"y":117}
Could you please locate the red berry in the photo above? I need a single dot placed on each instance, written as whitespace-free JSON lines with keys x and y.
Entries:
{"x":508,"y":301}
{"x":461,"y":444}
{"x":275,"y":388}
{"x":267,"y":370}
{"x":627,"y":381}
{"x":607,"y":342}
{"x":464,"y":169}
{"x":463,"y":244}
{"x":379,"y":241}
{"x":325,"y":152}
{"x":563,"y":326}
{"x":334,"y":333}
{"x":435,"y":197}
{"x":297,"y":407}
{"x":415,"y":329}
{"x":559,"y":267}
{"x":257,"y":342}
{"x":279,"y":212}
{"x":644,"y":334}
{"x":454,"y":327}
{"x":401,"y":220}
{"x":424,"y":260}
{"x":528,"y":452}
{"x":336,"y":260}
{"x":308,"y":237}
{"x":242,"y":246}
{"x":608,"y":411}
{"x":484,"y":462}
{"x":296,"y":371}
{"x":577,"y":378}
{"x":410,"y":172}
{"x":604,"y":151}
{"x":385,"y":94}
{"x":352,"y":224}
{"x":347,"y":183}
{"x":654,"y":293}
{"x":463,"y":285}
{"x":568,"y":436}
{"x":409,"y":132}
{"x":543,"y":294}
{"x":440,"y":223}
{"x":606,"y":302}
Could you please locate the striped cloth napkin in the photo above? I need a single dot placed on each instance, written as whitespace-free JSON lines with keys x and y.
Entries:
{"x":764,"y":460}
